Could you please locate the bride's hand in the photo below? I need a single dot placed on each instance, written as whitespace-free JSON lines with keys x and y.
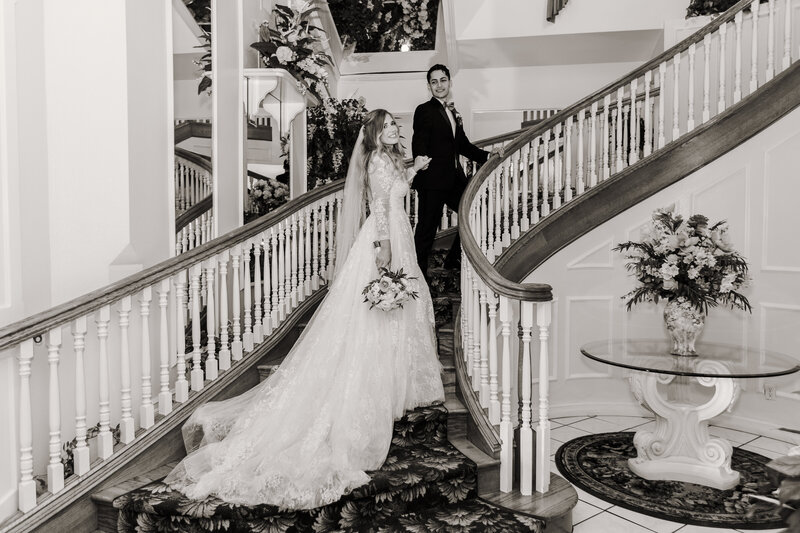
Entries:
{"x":383,"y":258}
{"x":421,"y":162}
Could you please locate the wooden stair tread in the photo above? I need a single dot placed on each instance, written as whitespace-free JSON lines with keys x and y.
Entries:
{"x":464,"y":446}
{"x":556,"y":502}
{"x":454,"y":406}
{"x":108,"y":494}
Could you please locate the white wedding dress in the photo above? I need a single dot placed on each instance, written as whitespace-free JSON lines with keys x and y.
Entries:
{"x":306,"y":436}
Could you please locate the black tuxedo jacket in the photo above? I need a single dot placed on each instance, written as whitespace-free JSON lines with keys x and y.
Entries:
{"x":433,"y":136}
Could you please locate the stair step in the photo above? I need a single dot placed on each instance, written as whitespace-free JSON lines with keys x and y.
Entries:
{"x":554,"y":507}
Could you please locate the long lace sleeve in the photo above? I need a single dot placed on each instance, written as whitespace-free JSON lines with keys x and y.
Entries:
{"x":381,"y":174}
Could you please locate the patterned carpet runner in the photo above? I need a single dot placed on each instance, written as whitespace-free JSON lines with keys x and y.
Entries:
{"x":424,"y":485}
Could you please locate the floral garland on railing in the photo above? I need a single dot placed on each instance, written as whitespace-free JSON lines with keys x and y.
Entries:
{"x":386,"y":25}
{"x":699,"y":8}
{"x":332,"y":130}
{"x":289,"y":41}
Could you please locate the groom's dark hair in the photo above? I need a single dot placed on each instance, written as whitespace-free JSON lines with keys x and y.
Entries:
{"x":438,"y":67}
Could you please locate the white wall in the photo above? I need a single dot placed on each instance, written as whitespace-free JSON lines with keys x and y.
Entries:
{"x":752,"y":187}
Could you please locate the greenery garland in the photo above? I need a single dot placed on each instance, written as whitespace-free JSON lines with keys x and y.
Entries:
{"x":699,"y":8}
{"x":386,"y":25}
{"x":332,"y":129}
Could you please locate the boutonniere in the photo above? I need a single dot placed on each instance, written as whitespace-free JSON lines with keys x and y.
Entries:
{"x":452,"y":107}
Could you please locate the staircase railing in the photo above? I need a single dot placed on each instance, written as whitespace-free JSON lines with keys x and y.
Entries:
{"x":193,"y":200}
{"x":563,"y":158}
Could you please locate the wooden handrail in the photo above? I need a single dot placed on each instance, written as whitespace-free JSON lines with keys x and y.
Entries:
{"x":43,"y":322}
{"x":197,"y":159}
{"x":535,"y":291}
{"x":193,"y":212}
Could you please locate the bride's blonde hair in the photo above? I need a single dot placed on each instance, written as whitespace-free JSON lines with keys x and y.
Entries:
{"x":373,"y":128}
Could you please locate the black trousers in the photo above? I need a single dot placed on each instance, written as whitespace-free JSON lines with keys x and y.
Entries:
{"x":431,"y":203}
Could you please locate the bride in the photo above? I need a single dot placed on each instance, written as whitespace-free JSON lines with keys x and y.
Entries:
{"x":305,"y":437}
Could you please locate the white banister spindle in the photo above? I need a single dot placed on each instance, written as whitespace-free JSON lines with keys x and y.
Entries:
{"x":466,"y":291}
{"x":754,"y":5}
{"x":274,"y":298}
{"x":787,"y":35}
{"x":282,"y":271}
{"x":127,"y":426}
{"x":476,"y":333}
{"x":484,"y":342}
{"x":197,"y":378}
{"x":543,"y":319}
{"x":557,"y":155}
{"x":723,"y":58}
{"x":247,"y":336}
{"x":525,"y":162}
{"x":580,"y":183}
{"x":593,"y":146}
{"x":80,"y":454}
{"x":224,"y":349}
{"x":258,"y":324}
{"x":212,"y":365}
{"x":181,"y":385}
{"x":526,"y":431}
{"x":146,"y":409}
{"x":164,"y":394}
{"x":105,"y":441}
{"x":331,"y":237}
{"x":269,"y":310}
{"x":294,"y":263}
{"x":662,"y":73}
{"x":498,"y":212}
{"x":633,"y":149}
{"x":514,"y":167}
{"x":546,"y":174}
{"x":648,"y":138}
{"x":706,"y":77}
{"x":618,"y":164}
{"x":535,"y":180}
{"x":506,"y":192}
{"x":676,"y":102}
{"x":315,"y":250}
{"x":490,"y":225}
{"x":55,"y":469}
{"x":307,"y":251}
{"x":236,"y":343}
{"x":26,"y":488}
{"x":690,"y":112}
{"x":626,"y":134}
{"x":604,"y":141}
{"x":506,"y":427}
{"x":770,"y":72}
{"x":494,"y":398}
{"x":737,"y":78}
{"x":568,"y":161}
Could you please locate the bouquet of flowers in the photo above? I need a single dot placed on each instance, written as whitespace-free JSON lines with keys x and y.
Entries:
{"x":390,"y":290}
{"x":686,"y":261}
{"x":267,"y":194}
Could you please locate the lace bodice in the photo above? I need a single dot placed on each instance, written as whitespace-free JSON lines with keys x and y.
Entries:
{"x":388,"y":187}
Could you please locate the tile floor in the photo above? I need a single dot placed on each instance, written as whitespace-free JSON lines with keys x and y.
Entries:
{"x":593,"y":515}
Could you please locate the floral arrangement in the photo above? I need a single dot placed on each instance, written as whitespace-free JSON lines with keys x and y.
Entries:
{"x":390,"y":290}
{"x":686,"y":261}
{"x":266,"y":194}
{"x":698,"y":8}
{"x":289,"y":41}
{"x":332,"y":129}
{"x":386,"y":25}
{"x":204,"y":64}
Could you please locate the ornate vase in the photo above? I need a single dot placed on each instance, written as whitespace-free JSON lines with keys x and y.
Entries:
{"x":684,"y":323}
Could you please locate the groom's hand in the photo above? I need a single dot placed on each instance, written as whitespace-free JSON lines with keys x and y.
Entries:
{"x":383,"y":257}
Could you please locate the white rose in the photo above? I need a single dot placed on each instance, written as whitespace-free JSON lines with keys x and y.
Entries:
{"x":284,"y":54}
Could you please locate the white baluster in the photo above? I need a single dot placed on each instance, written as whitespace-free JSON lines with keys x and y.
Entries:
{"x":605,"y":139}
{"x":676,"y":69}
{"x":690,"y":119}
{"x":526,"y":432}
{"x":181,"y":385}
{"x":535,"y":180}
{"x":296,"y":261}
{"x":580,"y":183}
{"x":331,"y":238}
{"x":247,"y":337}
{"x":787,"y":35}
{"x":546,"y":174}
{"x":737,"y":79}
{"x":514,"y":168}
{"x":146,"y":409}
{"x":618,"y":163}
{"x":476,"y":333}
{"x":236,"y":343}
{"x":506,"y":427}
{"x":593,"y":147}
{"x":258,"y":325}
{"x":212,"y":365}
{"x":625,"y":133}
{"x":506,"y":191}
{"x":127,"y":426}
{"x":494,"y":399}
{"x":543,"y":319}
{"x":164,"y":394}
{"x":568,"y":161}
{"x":307,"y":251}
{"x":498,"y":212}
{"x":416,"y":207}
{"x":27,"y":486}
{"x":196,"y":375}
{"x":770,"y":73}
{"x":105,"y":441}
{"x":443,"y":220}
{"x":557,"y":167}
{"x":269,"y":309}
{"x":490,"y":224}
{"x":662,"y":72}
{"x":282,"y":269}
{"x":224,"y":350}
{"x":466,"y":291}
{"x":315,"y":250}
{"x":273,"y":240}
{"x":707,"y":77}
{"x":634,"y":125}
{"x":723,"y":58}
{"x":484,"y":341}
{"x":648,"y":78}
{"x":80,"y":454}
{"x":483,"y":230}
{"x":754,"y":5}
{"x":525,"y":162}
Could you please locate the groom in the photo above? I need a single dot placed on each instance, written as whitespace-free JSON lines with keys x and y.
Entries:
{"x":439,"y":134}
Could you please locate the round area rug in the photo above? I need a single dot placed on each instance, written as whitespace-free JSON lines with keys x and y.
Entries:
{"x":598,"y":464}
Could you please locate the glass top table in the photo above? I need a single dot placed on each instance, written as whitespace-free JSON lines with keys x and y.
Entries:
{"x":713,"y":359}
{"x":679,"y":447}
